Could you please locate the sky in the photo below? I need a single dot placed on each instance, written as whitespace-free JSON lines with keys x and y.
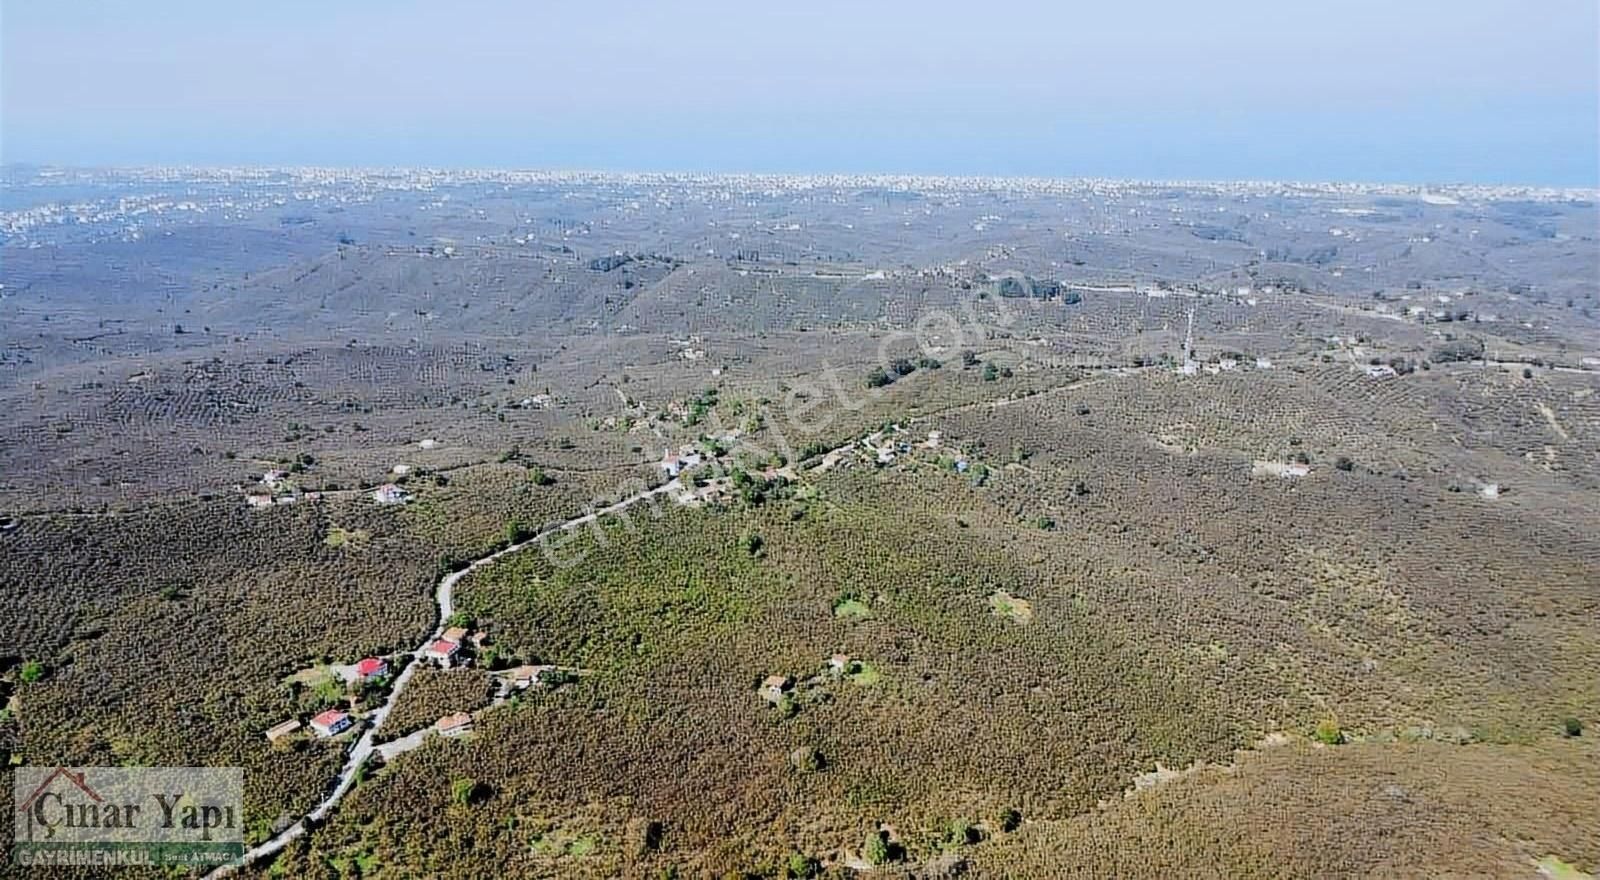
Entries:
{"x":1423,"y":91}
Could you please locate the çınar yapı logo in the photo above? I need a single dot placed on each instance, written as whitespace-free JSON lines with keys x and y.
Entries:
{"x":127,"y":815}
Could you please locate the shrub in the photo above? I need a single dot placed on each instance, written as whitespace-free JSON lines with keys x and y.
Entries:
{"x":1328,"y":733}
{"x":1572,"y":727}
{"x":801,"y":866}
{"x":753,"y":544}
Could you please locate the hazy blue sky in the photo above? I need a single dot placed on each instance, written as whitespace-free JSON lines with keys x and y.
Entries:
{"x":1410,"y":90}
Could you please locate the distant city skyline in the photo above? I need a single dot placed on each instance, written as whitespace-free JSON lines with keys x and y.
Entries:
{"x":1474,"y":91}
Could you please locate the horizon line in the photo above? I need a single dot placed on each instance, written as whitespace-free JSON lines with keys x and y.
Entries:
{"x":559,"y":172}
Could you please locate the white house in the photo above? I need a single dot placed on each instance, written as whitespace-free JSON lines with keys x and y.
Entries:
{"x":389,"y":493}
{"x":330,"y":722}
{"x":443,"y":650}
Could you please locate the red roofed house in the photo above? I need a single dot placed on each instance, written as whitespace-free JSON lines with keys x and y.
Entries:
{"x":443,"y":650}
{"x":455,"y":725}
{"x":330,"y":722}
{"x":372,"y":667}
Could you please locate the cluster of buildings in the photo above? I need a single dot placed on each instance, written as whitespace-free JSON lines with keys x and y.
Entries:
{"x":775,"y":688}
{"x":275,"y":489}
{"x":332,"y":722}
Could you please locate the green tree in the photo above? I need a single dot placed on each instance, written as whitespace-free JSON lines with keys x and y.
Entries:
{"x":801,"y":867}
{"x":466,"y":791}
{"x":876,"y":849}
{"x":753,"y":543}
{"x":32,"y":671}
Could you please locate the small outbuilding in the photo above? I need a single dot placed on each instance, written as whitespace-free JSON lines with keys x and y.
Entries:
{"x":279,"y":731}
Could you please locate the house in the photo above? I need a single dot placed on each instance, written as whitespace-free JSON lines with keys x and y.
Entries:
{"x":272,"y":479}
{"x":838,"y":663}
{"x":454,"y":725}
{"x":522,"y":676}
{"x":671,"y":465}
{"x":775,"y":687}
{"x":258,"y":501}
{"x":443,"y":650}
{"x":1296,"y":469}
{"x":457,"y":634}
{"x":479,"y":639}
{"x":389,"y":493}
{"x":1380,"y":371}
{"x":372,"y":667}
{"x":279,"y":731}
{"x":331,"y":722}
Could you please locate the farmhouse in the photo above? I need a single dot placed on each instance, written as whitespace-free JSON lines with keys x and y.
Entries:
{"x":330,"y":722}
{"x":279,"y":731}
{"x":443,"y":650}
{"x":838,"y":663}
{"x":372,"y":667}
{"x":454,"y":725}
{"x":522,"y":676}
{"x":389,"y":493}
{"x":774,"y":687}
{"x":457,"y":634}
